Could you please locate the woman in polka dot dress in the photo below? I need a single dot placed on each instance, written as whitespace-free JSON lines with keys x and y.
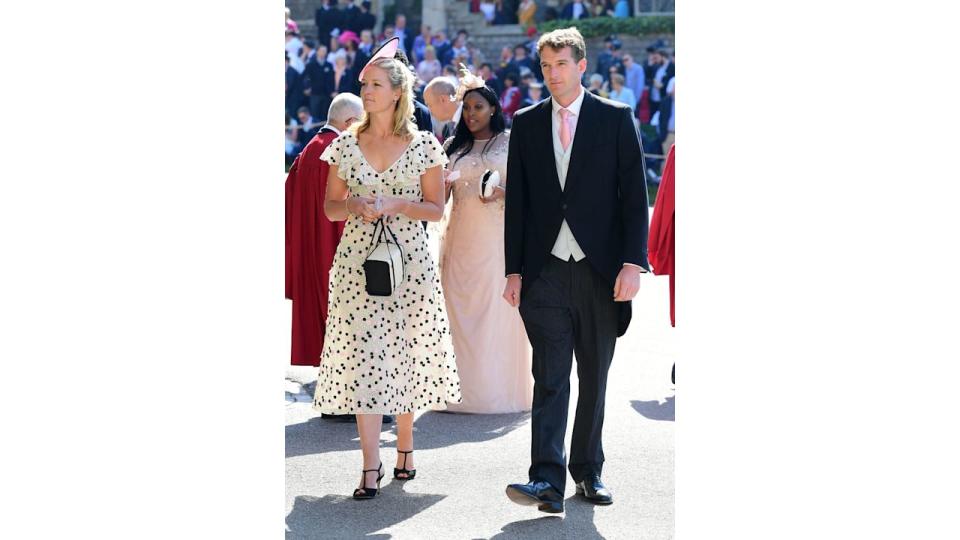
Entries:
{"x":385,"y":354}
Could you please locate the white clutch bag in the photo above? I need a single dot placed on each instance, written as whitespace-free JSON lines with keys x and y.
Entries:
{"x":489,"y":182}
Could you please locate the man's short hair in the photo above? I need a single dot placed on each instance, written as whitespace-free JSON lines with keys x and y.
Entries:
{"x":343,"y":106}
{"x":564,"y":37}
{"x":442,"y":85}
{"x":303,"y":109}
{"x":487,"y":65}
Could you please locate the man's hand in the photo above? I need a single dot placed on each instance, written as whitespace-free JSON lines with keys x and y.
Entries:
{"x":511,"y":293}
{"x":627,"y":285}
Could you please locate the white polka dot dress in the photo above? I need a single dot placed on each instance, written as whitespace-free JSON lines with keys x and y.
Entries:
{"x":385,"y":355}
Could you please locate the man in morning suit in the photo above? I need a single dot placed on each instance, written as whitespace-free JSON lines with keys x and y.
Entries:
{"x":575,"y":241}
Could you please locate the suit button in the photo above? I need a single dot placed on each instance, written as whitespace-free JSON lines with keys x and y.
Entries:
{"x":564,"y":206}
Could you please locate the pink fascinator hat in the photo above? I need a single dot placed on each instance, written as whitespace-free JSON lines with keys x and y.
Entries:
{"x":387,"y":50}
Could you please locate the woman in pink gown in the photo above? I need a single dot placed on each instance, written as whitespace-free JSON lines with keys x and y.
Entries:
{"x":492,"y":351}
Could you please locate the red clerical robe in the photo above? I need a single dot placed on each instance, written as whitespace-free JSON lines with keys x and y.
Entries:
{"x":660,"y":251}
{"x":311,"y":241}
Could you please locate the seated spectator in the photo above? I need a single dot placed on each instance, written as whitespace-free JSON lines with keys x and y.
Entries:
{"x":366,"y":20}
{"x":620,"y":92}
{"x":292,"y":146}
{"x":344,"y":78}
{"x":293,"y":47}
{"x":596,"y":85}
{"x":366,"y":45}
{"x":501,"y":14}
{"x":452,"y":72}
{"x":388,"y":32}
{"x":443,"y":46}
{"x":575,"y":11}
{"x":526,"y":13}
{"x":622,"y":9}
{"x":326,"y":18}
{"x":607,"y":58}
{"x":291,"y":24}
{"x":319,"y":78}
{"x":634,"y":75}
{"x":307,"y":128}
{"x":294,"y":88}
{"x":490,"y":78}
{"x":349,"y":41}
{"x":476,"y":55}
{"x":429,"y":67}
{"x":510,"y":99}
{"x":526,"y":79}
{"x":520,"y":62}
{"x":489,"y":10}
{"x":506,"y":56}
{"x":534,"y":94}
{"x":460,"y":47}
{"x":420,"y":43}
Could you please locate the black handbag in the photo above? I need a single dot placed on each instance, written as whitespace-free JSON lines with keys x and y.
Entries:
{"x":383,"y":267}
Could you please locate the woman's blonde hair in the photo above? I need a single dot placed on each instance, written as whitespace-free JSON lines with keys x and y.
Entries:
{"x":400,"y":77}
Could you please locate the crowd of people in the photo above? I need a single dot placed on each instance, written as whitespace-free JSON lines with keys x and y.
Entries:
{"x":522,"y":281}
{"x":524,"y":12}
{"x":319,"y":68}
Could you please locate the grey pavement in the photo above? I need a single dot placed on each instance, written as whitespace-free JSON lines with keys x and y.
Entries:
{"x":464,"y":462}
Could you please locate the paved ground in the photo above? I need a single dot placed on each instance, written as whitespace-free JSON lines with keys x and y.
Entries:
{"x":464,"y":462}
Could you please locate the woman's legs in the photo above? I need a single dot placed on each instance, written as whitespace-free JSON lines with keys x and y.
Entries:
{"x":368,"y":426}
{"x":405,"y":440}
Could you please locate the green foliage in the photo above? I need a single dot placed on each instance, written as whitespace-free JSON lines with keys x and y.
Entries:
{"x":604,"y":26}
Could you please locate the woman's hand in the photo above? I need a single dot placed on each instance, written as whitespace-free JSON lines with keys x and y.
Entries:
{"x":393,"y":206}
{"x":363,"y":207}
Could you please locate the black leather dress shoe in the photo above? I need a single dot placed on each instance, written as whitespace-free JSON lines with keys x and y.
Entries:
{"x":540,"y":494}
{"x":594,"y":491}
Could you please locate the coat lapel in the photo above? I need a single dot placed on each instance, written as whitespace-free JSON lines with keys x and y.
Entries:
{"x":579,"y":155}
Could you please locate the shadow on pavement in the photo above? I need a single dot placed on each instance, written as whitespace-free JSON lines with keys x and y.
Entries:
{"x":577,"y":522}
{"x":339,"y":516}
{"x":431,"y":430}
{"x":655,"y":410}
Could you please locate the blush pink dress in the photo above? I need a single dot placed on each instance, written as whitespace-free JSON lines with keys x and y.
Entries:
{"x":493,"y":354}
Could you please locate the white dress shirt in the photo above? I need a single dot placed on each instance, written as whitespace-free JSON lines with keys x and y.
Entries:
{"x":566,"y":245}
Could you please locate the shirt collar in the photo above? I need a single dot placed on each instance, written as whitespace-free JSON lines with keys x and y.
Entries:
{"x":573,"y":108}
{"x":331,"y":128}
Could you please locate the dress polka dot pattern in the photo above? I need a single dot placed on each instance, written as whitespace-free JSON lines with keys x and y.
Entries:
{"x":385,"y":355}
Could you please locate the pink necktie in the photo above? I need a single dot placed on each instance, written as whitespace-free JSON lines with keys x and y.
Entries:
{"x":565,"y":129}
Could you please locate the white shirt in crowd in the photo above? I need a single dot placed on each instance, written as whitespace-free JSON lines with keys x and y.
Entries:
{"x":577,"y":10}
{"x":655,"y":93}
{"x":293,"y":49}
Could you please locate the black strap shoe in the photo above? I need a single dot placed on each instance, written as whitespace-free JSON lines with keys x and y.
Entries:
{"x":410,"y":474}
{"x":365,"y":492}
{"x":540,"y":494}
{"x":592,"y":489}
